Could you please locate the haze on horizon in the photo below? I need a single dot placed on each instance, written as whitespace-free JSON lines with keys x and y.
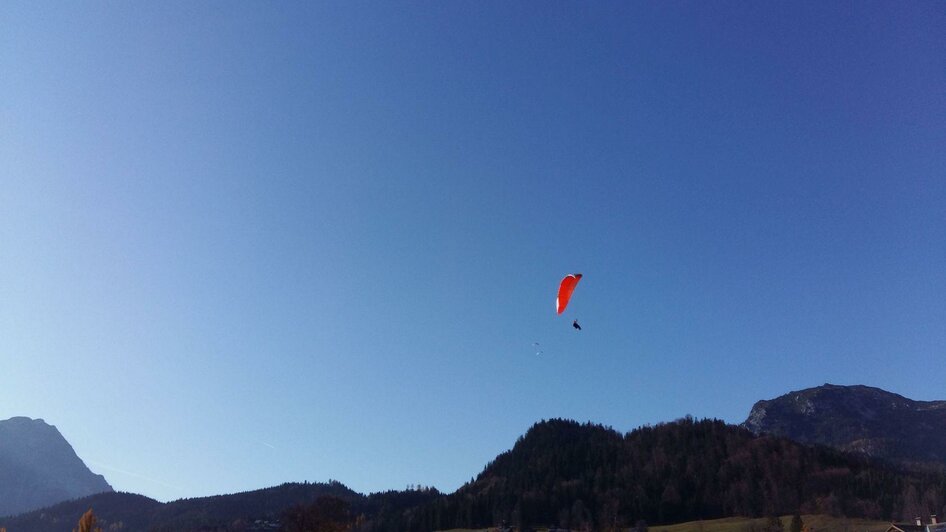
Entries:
{"x":243,"y":244}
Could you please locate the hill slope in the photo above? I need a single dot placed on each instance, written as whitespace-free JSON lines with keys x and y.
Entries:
{"x":252,"y":510}
{"x":38,"y":467}
{"x":857,"y":419}
{"x":570,"y":475}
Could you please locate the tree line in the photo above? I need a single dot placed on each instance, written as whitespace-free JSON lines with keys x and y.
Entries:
{"x":586,"y":476}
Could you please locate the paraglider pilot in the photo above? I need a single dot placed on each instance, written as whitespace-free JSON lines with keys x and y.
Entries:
{"x":575,"y":325}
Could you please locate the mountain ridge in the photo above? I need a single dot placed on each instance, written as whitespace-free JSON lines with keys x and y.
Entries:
{"x":857,"y":418}
{"x":38,"y":467}
{"x":568,"y":474}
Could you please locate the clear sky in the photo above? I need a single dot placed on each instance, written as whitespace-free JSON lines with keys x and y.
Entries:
{"x":245,"y":243}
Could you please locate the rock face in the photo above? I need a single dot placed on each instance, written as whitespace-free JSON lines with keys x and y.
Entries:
{"x":861,"y":419}
{"x":38,"y":467}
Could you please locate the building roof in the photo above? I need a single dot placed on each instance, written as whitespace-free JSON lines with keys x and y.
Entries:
{"x":913,"y":527}
{"x":907,"y":527}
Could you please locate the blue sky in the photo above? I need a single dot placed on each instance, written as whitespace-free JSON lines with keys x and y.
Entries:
{"x":249,"y":243}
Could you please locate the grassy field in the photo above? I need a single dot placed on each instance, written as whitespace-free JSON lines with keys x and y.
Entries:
{"x":813,"y":523}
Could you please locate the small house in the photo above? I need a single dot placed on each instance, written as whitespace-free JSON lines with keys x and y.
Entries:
{"x":918,"y":526}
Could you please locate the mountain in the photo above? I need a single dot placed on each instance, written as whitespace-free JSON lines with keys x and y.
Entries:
{"x":570,"y":475}
{"x":586,"y":476}
{"x":859,"y":419}
{"x":252,"y":510}
{"x":38,"y":467}
{"x":114,"y":511}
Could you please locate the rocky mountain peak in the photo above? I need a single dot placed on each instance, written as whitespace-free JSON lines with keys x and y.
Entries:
{"x":38,"y":467}
{"x":856,"y":418}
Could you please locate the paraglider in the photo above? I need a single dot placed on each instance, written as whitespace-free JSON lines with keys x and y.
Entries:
{"x":565,"y":290}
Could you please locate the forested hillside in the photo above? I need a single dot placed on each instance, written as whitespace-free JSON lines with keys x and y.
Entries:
{"x":263,"y":509}
{"x":568,"y":474}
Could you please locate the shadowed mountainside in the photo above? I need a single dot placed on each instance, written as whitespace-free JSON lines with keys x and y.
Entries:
{"x":571,"y":475}
{"x":252,"y":510}
{"x":858,"y":419}
{"x":38,"y":467}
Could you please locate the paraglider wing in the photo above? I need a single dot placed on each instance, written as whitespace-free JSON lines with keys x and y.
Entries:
{"x":565,"y":290}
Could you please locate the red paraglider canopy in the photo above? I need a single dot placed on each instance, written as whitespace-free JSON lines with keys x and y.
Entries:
{"x":565,"y":291}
